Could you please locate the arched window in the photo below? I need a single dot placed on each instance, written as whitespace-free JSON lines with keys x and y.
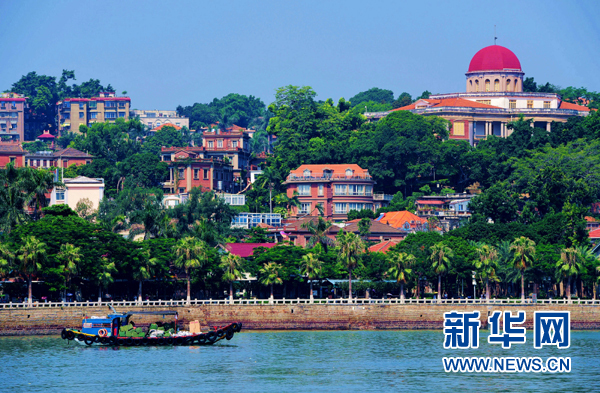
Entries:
{"x":487,"y":85}
{"x":508,"y":85}
{"x":477,"y":85}
{"x":471,"y":85}
{"x":349,"y":172}
{"x":496,"y":85}
{"x":306,"y":173}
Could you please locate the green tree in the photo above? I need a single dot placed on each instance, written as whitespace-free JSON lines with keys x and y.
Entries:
{"x":191,"y":254}
{"x":231,"y":265}
{"x":31,"y":255}
{"x":144,"y":269}
{"x":318,"y":232}
{"x":311,"y":268}
{"x":104,"y":275}
{"x":400,"y":269}
{"x":441,"y":261}
{"x":486,"y":265}
{"x":374,"y":94}
{"x":523,"y":251}
{"x":6,"y":259}
{"x":70,"y":256}
{"x":570,"y":265}
{"x":350,"y":247}
{"x":269,"y":275}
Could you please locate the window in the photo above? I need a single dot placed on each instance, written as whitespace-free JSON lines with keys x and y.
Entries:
{"x":220,"y":143}
{"x":305,"y":208}
{"x":477,"y":85}
{"x":210,"y":144}
{"x":3,"y":105}
{"x":340,"y":208}
{"x":3,"y":126}
{"x":487,"y":85}
{"x":81,"y":105}
{"x":81,"y":116}
{"x":547,"y":104}
{"x":356,"y":189}
{"x":181,"y":173}
{"x":327,"y":173}
{"x":205,"y":174}
{"x":110,"y":115}
{"x":508,"y":88}
{"x":340,"y":189}
{"x":458,"y":128}
{"x":13,"y":125}
{"x":196,"y":174}
{"x":349,"y":172}
{"x":304,"y":189}
{"x":496,"y":85}
{"x":529,"y":104}
{"x":355,"y":206}
{"x":368,"y":190}
{"x":93,"y":115}
{"x":66,"y":116}
{"x":487,"y":102}
{"x":512,"y":104}
{"x":66,"y":104}
{"x":60,"y":195}
{"x":306,"y":173}
{"x":65,"y":163}
{"x":13,"y":105}
{"x":121,"y":114}
{"x":181,"y":190}
{"x":13,"y":159}
{"x":110,"y":104}
{"x":234,"y":144}
{"x":320,"y":189}
{"x":92,"y":105}
{"x":122,"y":104}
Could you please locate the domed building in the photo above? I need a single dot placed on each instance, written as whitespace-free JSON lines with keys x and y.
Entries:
{"x":494,"y":97}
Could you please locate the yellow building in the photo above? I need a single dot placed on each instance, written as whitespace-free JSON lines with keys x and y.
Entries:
{"x":73,"y":112}
{"x":78,"y":189}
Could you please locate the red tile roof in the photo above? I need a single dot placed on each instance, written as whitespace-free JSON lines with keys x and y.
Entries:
{"x":11,"y":148}
{"x":338,"y":170}
{"x":452,"y":102}
{"x":245,"y":250}
{"x":166,"y":125}
{"x":591,"y":219}
{"x":376,"y":227}
{"x":595,"y":234}
{"x":69,"y":152}
{"x":383,"y":247}
{"x":398,"y":219}
{"x":568,"y":105}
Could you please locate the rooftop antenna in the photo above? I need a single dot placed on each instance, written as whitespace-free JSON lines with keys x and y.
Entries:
{"x":495,"y":38}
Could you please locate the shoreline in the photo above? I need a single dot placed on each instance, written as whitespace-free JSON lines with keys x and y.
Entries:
{"x":286,"y":317}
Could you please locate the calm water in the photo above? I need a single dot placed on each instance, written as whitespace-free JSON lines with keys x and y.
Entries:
{"x":358,"y":361}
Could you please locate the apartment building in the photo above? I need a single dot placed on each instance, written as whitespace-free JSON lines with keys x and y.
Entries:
{"x":336,"y":188}
{"x":12,"y":118}
{"x":156,"y":118}
{"x":73,"y":112}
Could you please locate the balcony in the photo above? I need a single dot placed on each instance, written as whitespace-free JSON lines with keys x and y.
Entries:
{"x":294,"y":178}
{"x":382,"y":197}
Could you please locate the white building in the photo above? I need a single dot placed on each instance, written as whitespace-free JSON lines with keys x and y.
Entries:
{"x":156,"y":118}
{"x":77,"y":189}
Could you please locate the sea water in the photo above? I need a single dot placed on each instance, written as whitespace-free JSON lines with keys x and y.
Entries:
{"x":299,"y":361}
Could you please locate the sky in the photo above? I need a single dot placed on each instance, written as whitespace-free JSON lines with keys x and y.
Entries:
{"x":166,"y":54}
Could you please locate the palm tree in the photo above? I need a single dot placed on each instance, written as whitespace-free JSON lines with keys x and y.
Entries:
{"x":191,"y":253}
{"x":569,"y":265}
{"x":145,"y":270}
{"x":350,"y":247}
{"x":36,"y":183}
{"x":71,"y":256}
{"x":311,"y":268}
{"x":6,"y":259}
{"x":31,"y":254}
{"x":231,"y":265}
{"x":318,"y":232}
{"x":523,"y":251}
{"x":441,"y":256}
{"x":103,"y":278}
{"x":12,"y":199}
{"x":270,"y":275}
{"x":400,"y":268}
{"x":486,"y":265}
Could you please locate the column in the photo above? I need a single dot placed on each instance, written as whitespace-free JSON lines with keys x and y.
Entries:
{"x":549,"y":126}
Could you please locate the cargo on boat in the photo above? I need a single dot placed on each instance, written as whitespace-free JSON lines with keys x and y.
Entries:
{"x":119,"y":329}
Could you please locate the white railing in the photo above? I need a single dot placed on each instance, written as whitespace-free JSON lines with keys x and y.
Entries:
{"x":258,"y":302}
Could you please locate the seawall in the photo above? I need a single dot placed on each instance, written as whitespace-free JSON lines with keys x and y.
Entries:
{"x":38,"y":321}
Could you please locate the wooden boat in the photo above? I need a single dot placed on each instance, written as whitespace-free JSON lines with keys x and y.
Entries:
{"x":115,"y":329}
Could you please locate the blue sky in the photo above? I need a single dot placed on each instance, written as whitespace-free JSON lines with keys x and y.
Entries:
{"x":169,"y":53}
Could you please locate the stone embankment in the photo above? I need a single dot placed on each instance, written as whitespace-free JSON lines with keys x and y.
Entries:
{"x":36,"y":321}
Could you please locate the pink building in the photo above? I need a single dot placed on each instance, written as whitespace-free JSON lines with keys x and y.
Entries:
{"x":12,"y":116}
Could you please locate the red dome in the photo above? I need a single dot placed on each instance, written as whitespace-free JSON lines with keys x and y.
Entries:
{"x":494,"y":58}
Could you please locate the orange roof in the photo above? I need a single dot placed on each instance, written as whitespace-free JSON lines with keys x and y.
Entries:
{"x":166,"y":125}
{"x":459,"y":102}
{"x":568,"y":105}
{"x":338,"y":170}
{"x":383,"y":246}
{"x":591,"y":219}
{"x":398,"y":219}
{"x":595,"y":234}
